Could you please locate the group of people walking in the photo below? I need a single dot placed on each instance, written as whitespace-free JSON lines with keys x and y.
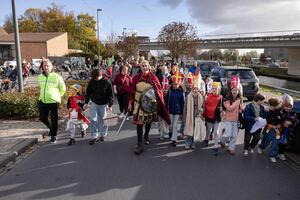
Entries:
{"x":168,"y":95}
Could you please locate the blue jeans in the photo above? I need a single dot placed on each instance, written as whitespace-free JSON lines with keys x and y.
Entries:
{"x":97,"y":113}
{"x":268,"y":138}
{"x":189,"y":141}
{"x":230,"y":134}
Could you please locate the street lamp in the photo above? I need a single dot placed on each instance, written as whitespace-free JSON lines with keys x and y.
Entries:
{"x":17,"y":46}
{"x":98,"y":29}
{"x":124,"y":29}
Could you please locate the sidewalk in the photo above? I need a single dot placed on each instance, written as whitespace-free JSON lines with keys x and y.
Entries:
{"x":17,"y":136}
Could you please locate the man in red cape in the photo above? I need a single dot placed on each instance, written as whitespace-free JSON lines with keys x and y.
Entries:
{"x":141,"y":83}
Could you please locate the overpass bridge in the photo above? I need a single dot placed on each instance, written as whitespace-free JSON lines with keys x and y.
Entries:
{"x":275,"y":39}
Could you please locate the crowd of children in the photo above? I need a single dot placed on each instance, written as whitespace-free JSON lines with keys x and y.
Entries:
{"x":203,"y":112}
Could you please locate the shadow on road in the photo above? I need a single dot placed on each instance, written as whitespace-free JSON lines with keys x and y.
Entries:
{"x":110,"y":170}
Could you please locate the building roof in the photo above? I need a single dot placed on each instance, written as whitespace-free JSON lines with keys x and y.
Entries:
{"x":31,"y":37}
{"x":2,"y":31}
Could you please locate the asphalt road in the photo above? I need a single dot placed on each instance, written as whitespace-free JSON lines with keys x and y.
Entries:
{"x":110,"y":171}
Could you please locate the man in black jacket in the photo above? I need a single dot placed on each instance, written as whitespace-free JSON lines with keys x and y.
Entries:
{"x":99,"y":92}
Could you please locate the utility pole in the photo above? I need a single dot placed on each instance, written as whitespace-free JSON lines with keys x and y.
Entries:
{"x":17,"y":46}
{"x":98,"y":30}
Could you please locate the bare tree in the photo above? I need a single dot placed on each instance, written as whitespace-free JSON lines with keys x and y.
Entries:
{"x":179,"y":38}
{"x":111,"y":45}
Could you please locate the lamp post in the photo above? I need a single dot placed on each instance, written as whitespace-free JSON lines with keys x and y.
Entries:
{"x":98,"y":29}
{"x":17,"y":46}
{"x":124,"y":29}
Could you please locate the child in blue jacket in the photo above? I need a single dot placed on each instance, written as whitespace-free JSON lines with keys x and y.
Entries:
{"x":175,"y":104}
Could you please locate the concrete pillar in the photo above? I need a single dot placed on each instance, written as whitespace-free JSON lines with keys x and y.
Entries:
{"x":294,"y":61}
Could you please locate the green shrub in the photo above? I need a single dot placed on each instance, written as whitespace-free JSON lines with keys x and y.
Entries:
{"x":24,"y":105}
{"x":18,"y":106}
{"x":273,"y":71}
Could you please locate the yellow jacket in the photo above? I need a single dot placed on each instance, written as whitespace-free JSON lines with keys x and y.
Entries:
{"x":52,"y":88}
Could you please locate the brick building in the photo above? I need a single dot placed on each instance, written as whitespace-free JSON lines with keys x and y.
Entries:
{"x":34,"y":45}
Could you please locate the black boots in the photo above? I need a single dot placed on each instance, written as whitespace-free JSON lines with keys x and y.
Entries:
{"x":71,"y":141}
{"x":139,"y":149}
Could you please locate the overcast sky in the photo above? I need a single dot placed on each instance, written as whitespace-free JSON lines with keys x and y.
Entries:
{"x":226,"y":16}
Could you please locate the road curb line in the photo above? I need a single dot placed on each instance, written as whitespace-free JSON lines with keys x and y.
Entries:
{"x":19,"y":148}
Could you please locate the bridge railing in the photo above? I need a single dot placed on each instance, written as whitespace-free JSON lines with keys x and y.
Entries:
{"x":253,"y":36}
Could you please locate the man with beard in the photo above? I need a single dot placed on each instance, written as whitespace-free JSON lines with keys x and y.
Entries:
{"x":147,"y":103}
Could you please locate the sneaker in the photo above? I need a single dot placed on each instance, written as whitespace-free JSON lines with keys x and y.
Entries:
{"x":282,"y":157}
{"x":215,"y":151}
{"x":129,"y":118}
{"x":231,"y":152}
{"x":162,"y":138}
{"x":174,"y":143}
{"x":187,"y":147}
{"x":122,"y":115}
{"x":193,"y":146}
{"x":222,"y":145}
{"x":166,"y":136}
{"x":71,"y":141}
{"x":259,"y":150}
{"x":179,"y":137}
{"x":245,"y":153}
{"x":138,"y":150}
{"x":101,"y":138}
{"x":205,"y":143}
{"x":53,"y":139}
{"x":93,"y":141}
{"x":273,"y":159}
{"x":251,"y":151}
{"x":146,"y":141}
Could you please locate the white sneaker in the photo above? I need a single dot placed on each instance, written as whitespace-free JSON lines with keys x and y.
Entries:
{"x":273,"y":159}
{"x":129,"y":118}
{"x":245,"y":153}
{"x":121,"y":115}
{"x":282,"y":157}
{"x":162,"y":138}
{"x":259,"y":150}
{"x":186,"y":146}
{"x":251,"y":151}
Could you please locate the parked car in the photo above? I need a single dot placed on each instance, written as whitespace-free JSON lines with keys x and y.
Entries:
{"x":274,"y":64}
{"x":6,"y":64}
{"x":206,"y":66}
{"x":248,"y":79}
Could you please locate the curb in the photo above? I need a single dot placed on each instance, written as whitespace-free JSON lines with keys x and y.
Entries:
{"x":19,"y":148}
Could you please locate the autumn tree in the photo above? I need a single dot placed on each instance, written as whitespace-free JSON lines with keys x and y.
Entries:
{"x":253,"y":54}
{"x":111,"y":45}
{"x":231,"y":55}
{"x":179,"y":38}
{"x":215,"y":54}
{"x":263,"y":58}
{"x":80,"y":28}
{"x":128,"y":45}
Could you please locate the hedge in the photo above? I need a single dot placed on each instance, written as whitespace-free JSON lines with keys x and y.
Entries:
{"x":18,"y":105}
